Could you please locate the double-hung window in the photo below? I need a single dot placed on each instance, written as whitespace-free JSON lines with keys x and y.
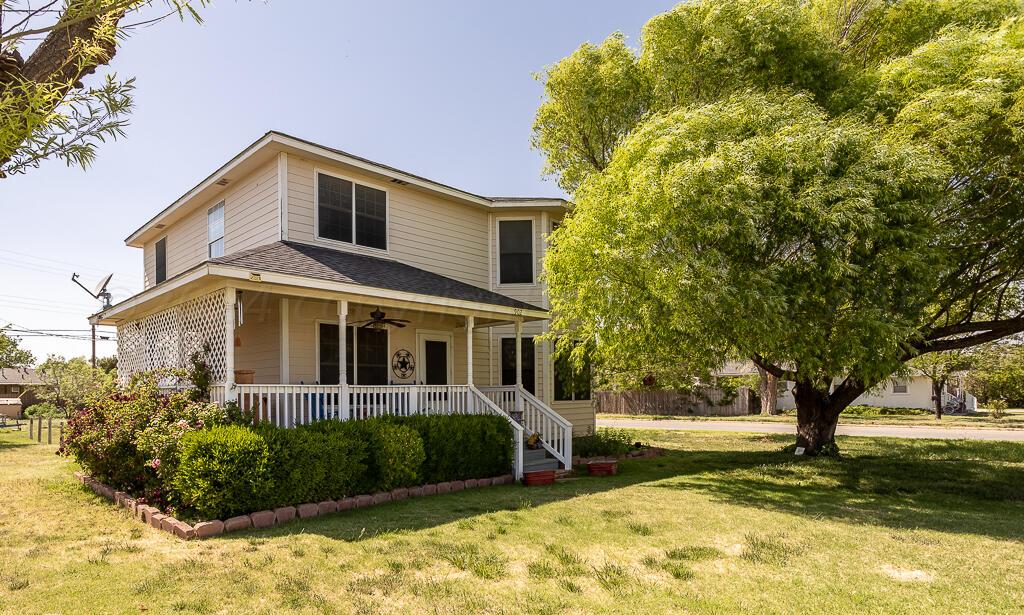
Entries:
{"x":351,"y":212}
{"x":515,"y":252}
{"x":899,"y":386}
{"x":215,"y":230}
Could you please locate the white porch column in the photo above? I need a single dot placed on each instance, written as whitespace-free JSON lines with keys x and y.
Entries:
{"x":229,"y":345}
{"x":343,"y":358}
{"x":519,"y":366}
{"x":470,"y":323}
{"x":284,"y":343}
{"x":470,"y":400}
{"x":519,"y":353}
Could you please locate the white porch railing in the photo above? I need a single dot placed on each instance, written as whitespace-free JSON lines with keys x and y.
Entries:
{"x":536,"y":417}
{"x":287,"y":405}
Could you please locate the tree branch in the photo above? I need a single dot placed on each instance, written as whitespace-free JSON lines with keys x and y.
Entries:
{"x":774,"y":370}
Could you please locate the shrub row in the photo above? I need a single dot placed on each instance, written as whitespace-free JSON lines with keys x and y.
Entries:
{"x":230,"y":470}
{"x":604,"y":443}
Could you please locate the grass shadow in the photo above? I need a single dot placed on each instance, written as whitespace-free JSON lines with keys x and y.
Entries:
{"x":945,"y":485}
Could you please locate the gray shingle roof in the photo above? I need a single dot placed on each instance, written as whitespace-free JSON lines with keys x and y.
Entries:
{"x":292,"y":258}
{"x":19,"y":375}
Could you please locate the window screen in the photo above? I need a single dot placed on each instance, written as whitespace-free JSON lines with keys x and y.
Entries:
{"x":215,"y":230}
{"x":161,"y":260}
{"x":334,"y":208}
{"x":351,"y":212}
{"x":515,"y":242}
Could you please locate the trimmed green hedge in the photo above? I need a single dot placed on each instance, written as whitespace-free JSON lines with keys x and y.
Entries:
{"x":462,"y":446}
{"x":226,"y":471}
{"x":223,"y":470}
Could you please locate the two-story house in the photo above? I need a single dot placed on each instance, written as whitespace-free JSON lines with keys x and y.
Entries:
{"x":321,"y":284}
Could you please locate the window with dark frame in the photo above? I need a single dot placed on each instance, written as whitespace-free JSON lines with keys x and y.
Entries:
{"x":366,"y":350}
{"x":160,"y":255}
{"x":351,"y":212}
{"x":515,"y":251}
{"x":508,"y":363}
{"x":571,"y":384}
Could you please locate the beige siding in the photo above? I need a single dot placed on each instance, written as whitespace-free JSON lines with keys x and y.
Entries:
{"x":257,"y":340}
{"x":424,"y":230}
{"x":251,"y":212}
{"x":579,"y":413}
{"x":250,"y":219}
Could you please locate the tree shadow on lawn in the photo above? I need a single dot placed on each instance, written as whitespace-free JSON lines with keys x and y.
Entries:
{"x":953,"y":486}
{"x":949,"y":486}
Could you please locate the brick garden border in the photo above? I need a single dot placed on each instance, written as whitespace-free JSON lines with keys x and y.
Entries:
{"x":150,"y":515}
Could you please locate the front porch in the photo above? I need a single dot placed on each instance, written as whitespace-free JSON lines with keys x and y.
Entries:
{"x":276,"y":350}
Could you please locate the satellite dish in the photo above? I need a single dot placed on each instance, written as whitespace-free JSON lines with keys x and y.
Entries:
{"x":101,"y":291}
{"x":102,"y":286}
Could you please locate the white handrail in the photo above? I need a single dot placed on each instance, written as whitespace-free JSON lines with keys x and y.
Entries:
{"x":537,"y":417}
{"x":555,"y":430}
{"x":517,"y":430}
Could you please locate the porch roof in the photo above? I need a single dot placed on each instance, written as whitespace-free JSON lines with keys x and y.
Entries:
{"x":307,"y":270}
{"x":293,"y":258}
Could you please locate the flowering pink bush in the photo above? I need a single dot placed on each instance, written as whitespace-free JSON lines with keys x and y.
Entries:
{"x":129,"y":439}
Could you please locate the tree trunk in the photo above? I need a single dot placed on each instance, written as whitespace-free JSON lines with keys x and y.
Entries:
{"x":768,"y":390}
{"x":816,"y":418}
{"x":937,"y":386}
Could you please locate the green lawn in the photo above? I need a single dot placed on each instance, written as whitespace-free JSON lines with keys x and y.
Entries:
{"x":722,"y":523}
{"x":1013,"y":420}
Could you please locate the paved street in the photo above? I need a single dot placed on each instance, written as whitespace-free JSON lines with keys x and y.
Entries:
{"x":887,"y":431}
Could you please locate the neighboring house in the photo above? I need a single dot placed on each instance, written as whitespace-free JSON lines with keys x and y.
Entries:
{"x":17,"y":390}
{"x":295,"y":263}
{"x":913,"y":391}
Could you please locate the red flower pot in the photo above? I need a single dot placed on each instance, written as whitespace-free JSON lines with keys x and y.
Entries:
{"x":540,"y":477}
{"x":602,"y":467}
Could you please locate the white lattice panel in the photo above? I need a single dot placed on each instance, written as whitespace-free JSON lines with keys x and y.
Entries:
{"x":169,"y":337}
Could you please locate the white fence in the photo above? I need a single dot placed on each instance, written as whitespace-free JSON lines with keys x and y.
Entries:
{"x":536,"y":417}
{"x":288,"y":405}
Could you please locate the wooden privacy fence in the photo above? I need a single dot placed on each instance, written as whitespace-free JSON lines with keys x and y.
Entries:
{"x":700,"y":402}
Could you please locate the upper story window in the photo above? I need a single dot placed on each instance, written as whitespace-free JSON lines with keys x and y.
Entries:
{"x":515,"y":252}
{"x":215,"y":230}
{"x":351,"y":212}
{"x":160,"y":251}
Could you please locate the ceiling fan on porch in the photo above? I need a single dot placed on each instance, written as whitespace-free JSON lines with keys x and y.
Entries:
{"x":379,"y":320}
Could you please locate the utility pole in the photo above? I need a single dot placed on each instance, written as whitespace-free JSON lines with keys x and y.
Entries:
{"x":103,"y":295}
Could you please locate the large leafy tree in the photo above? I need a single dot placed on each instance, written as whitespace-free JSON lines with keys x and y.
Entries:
{"x":828,"y":188}
{"x":48,"y":49}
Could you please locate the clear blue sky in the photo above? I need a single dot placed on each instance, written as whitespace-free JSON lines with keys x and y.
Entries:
{"x":443,"y":89}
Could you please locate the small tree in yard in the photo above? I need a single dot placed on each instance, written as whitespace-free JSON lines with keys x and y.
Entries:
{"x":70,"y":384}
{"x":827,"y":188}
{"x":997,"y":372}
{"x":940,"y":367}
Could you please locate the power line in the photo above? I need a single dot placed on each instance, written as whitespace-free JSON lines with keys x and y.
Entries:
{"x":101,"y":270}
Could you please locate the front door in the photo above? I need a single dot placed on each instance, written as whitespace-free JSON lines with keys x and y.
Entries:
{"x":435,"y":355}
